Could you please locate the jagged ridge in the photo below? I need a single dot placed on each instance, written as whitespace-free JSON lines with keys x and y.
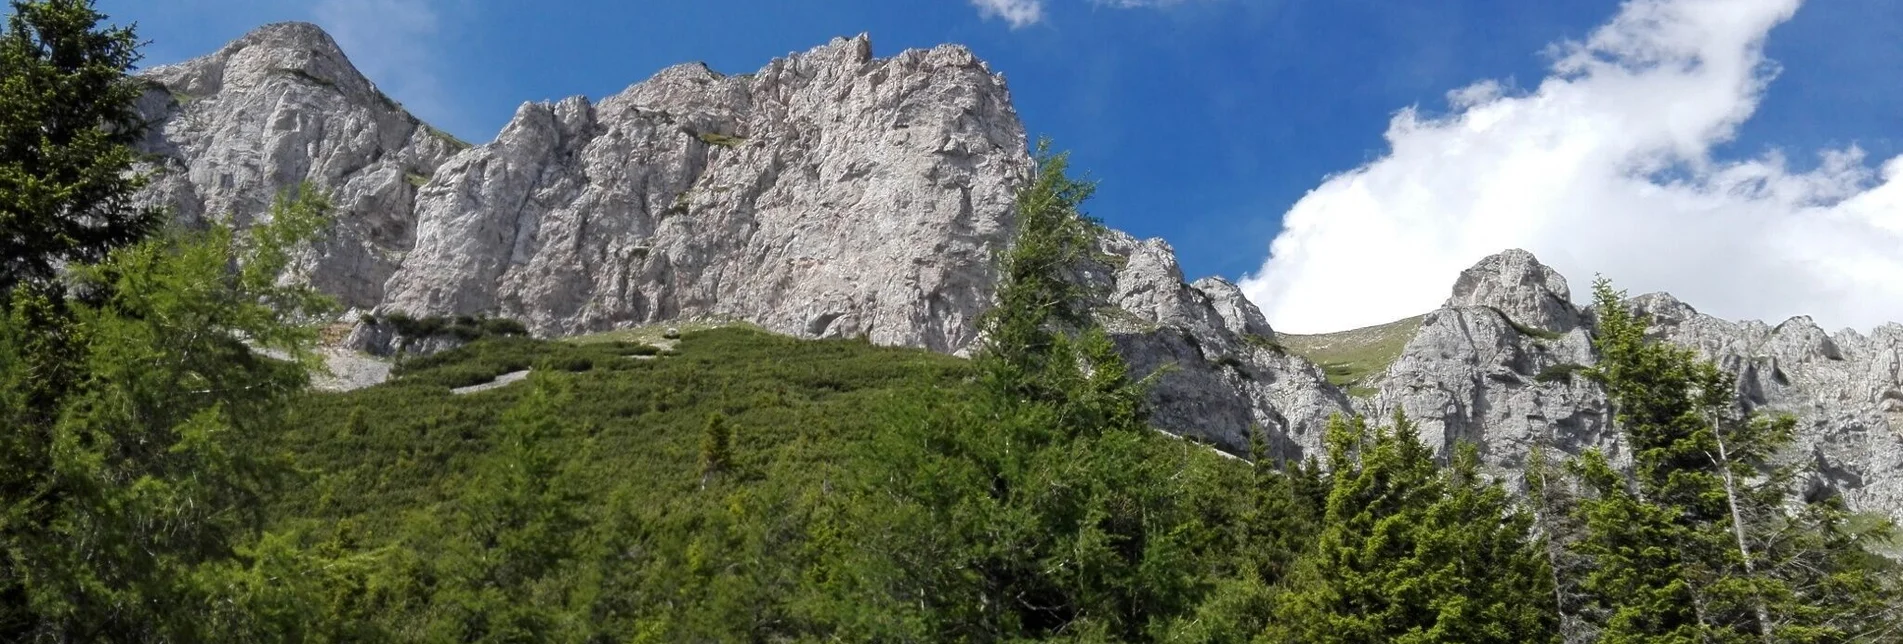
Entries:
{"x":837,"y":194}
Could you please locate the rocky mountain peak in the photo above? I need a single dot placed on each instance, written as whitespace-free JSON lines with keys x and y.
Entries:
{"x":282,"y":105}
{"x":1519,"y":286}
{"x":836,"y":194}
{"x":296,"y":49}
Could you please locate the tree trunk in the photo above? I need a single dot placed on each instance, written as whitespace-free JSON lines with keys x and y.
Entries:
{"x":1737,"y":531}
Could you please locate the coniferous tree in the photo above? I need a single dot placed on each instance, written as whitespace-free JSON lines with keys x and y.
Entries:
{"x":67,"y":124}
{"x":716,"y":446}
{"x":1281,"y":520}
{"x":126,"y":475}
{"x":1044,"y":507}
{"x":500,"y":554}
{"x":1695,"y":542}
{"x":1551,"y":501}
{"x":1411,"y":552}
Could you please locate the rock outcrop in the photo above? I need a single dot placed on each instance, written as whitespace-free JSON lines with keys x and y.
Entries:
{"x":1222,"y":372}
{"x":1495,"y":366}
{"x":282,"y":105}
{"x":830,"y":194}
{"x":835,"y":194}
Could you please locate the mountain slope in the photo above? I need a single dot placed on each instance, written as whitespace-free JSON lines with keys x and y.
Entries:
{"x":835,"y":194}
{"x":830,"y":194}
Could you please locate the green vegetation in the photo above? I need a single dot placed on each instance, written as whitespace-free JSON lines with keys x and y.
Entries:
{"x":1350,"y":359}
{"x":454,"y":143}
{"x":1702,"y":539}
{"x":1411,"y":551}
{"x":1560,"y":372}
{"x":67,"y":124}
{"x":305,"y":76}
{"x":466,"y":328}
{"x":722,"y":140}
{"x":1525,"y":330}
{"x":1263,"y":342}
{"x":137,"y":450}
{"x":183,"y":98}
{"x":656,"y":334}
{"x":416,"y":179}
{"x":167,"y":475}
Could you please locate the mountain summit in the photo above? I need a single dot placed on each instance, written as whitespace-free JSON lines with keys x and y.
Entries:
{"x":837,"y":194}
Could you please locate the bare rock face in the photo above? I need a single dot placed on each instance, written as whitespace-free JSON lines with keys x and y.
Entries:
{"x":1521,"y":288}
{"x":232,"y":130}
{"x":830,"y":194}
{"x":837,"y":194}
{"x":1219,"y":373}
{"x":1844,"y":388}
{"x":1472,"y":374}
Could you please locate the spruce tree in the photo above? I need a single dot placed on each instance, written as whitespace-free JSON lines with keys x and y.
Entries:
{"x":1411,"y":552}
{"x":716,"y":446}
{"x":67,"y":124}
{"x":1042,"y":506}
{"x":498,"y":553}
{"x":1695,"y":541}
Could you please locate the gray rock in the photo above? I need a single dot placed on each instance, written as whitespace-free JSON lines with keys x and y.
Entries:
{"x":836,"y":194}
{"x":1520,"y":287}
{"x":501,"y":381}
{"x":1469,"y":374}
{"x":1217,"y":369}
{"x":831,"y":194}
{"x":281,"y":105}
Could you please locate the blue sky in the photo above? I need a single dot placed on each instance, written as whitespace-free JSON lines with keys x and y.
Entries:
{"x":1206,"y":121}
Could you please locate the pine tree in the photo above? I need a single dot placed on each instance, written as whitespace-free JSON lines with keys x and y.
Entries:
{"x":1410,"y":552}
{"x":67,"y":124}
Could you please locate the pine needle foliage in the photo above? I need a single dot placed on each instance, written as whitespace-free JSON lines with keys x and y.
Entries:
{"x":67,"y":126}
{"x":1703,"y":538}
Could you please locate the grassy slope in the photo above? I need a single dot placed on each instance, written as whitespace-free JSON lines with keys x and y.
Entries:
{"x":376,"y":454}
{"x":1352,"y":358}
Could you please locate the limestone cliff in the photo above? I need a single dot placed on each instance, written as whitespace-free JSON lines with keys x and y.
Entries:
{"x":1495,"y":366}
{"x":833,"y":193}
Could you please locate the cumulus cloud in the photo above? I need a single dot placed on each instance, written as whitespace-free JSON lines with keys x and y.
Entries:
{"x":1020,"y":13}
{"x":1607,"y":167}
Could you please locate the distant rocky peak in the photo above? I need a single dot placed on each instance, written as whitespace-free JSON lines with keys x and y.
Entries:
{"x":1515,"y":283}
{"x":297,"y":51}
{"x":1238,"y":314}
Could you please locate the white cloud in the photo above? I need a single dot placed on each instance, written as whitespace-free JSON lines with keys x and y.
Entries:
{"x":1024,"y":13}
{"x":1020,"y":13}
{"x":394,"y":43}
{"x":1606,"y":167}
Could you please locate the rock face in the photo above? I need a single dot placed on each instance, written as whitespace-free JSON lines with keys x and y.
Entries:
{"x":829,"y":194}
{"x":1521,"y":288}
{"x":837,"y":194}
{"x":1475,"y":372}
{"x":1223,"y":372}
{"x":282,"y":105}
